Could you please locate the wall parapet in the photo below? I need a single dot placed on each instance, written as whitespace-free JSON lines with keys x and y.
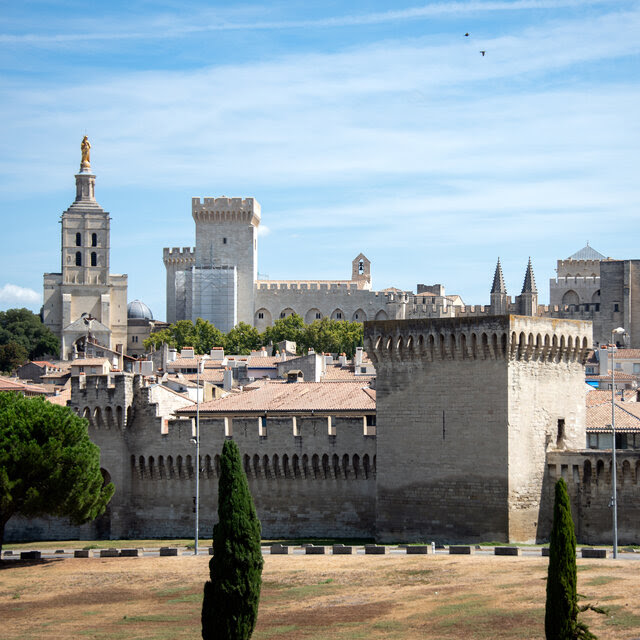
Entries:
{"x":493,"y":337}
{"x":177,"y":255}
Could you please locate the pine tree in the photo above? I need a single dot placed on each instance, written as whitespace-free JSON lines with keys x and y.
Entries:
{"x":231,"y":596}
{"x":561,"y":614}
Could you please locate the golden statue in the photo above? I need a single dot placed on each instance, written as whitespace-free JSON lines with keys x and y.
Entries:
{"x":85,"y":147}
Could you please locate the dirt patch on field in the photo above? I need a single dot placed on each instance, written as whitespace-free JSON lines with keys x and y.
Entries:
{"x":311,"y":598}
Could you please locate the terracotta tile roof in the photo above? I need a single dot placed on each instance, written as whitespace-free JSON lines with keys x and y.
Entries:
{"x":185,"y":362}
{"x":598,"y":396}
{"x":89,"y":362}
{"x":8,"y":384}
{"x":62,"y":398}
{"x":298,"y":397}
{"x":43,"y":363}
{"x":627,"y":417}
{"x":627,"y":354}
{"x":336,"y":372}
{"x":620,"y":376}
{"x":214,"y":376}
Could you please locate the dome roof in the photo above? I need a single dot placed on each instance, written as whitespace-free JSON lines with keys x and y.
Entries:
{"x":139,"y":311}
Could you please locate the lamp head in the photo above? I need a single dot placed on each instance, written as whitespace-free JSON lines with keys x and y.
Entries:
{"x":619,"y":330}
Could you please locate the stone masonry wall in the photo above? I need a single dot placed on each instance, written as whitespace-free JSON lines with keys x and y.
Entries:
{"x":466,"y":409}
{"x":442,"y":423}
{"x":588,"y":477}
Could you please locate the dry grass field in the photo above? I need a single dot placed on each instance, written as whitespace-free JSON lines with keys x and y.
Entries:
{"x":311,"y":597}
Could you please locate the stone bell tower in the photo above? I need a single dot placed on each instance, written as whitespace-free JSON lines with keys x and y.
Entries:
{"x":84,"y":298}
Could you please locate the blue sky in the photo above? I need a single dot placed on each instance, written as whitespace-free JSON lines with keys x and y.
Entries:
{"x":363,"y":126}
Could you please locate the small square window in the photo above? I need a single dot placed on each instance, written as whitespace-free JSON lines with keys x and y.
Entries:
{"x":616,"y":307}
{"x":224,"y":241}
{"x":261,"y":316}
{"x":318,"y":315}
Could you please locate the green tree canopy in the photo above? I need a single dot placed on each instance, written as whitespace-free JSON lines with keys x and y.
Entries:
{"x":25,"y":328}
{"x":290,"y":328}
{"x":332,"y":336}
{"x":48,"y":464}
{"x":202,"y":336}
{"x":231,"y":596}
{"x":12,"y":355}
{"x":242,"y":339}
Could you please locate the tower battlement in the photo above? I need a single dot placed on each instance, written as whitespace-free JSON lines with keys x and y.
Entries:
{"x":507,"y":337}
{"x":245,"y":210}
{"x":179,"y":255}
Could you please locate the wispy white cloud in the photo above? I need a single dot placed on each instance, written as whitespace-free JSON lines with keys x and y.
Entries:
{"x":173,"y":26}
{"x":14,"y":295}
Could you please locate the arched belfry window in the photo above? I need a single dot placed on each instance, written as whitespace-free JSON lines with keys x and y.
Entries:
{"x":94,"y":239}
{"x":361,"y":267}
{"x":78,"y":239}
{"x":78,"y":259}
{"x":94,"y":259}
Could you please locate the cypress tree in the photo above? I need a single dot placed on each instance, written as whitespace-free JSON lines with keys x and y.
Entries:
{"x":561,"y":614}
{"x":231,"y":596}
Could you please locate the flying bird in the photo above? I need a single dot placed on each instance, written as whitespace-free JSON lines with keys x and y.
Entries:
{"x":483,"y":52}
{"x":466,"y":35}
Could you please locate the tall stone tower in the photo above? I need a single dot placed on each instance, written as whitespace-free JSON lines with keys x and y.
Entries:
{"x":216,"y":282}
{"x":84,"y":298}
{"x":467,"y":410}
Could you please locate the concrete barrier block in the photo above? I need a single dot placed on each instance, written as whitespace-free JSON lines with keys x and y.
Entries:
{"x":312,"y":550}
{"x":109,"y":553}
{"x":279,"y":549}
{"x":506,"y":551}
{"x":341,"y":550}
{"x":129,"y":553}
{"x":83,"y":553}
{"x":422,"y":549}
{"x":461,"y":550}
{"x":30,"y":555}
{"x":58,"y":551}
{"x":595,"y":553}
{"x":374,"y":549}
{"x":545,"y":552}
{"x":168,"y":551}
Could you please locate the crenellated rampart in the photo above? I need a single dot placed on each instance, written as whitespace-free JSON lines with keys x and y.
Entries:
{"x":588,"y":474}
{"x":243,"y":210}
{"x":473,"y":338}
{"x":179,"y":256}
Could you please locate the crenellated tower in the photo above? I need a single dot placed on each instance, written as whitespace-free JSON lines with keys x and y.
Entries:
{"x":216,"y":281}
{"x":467,"y":409}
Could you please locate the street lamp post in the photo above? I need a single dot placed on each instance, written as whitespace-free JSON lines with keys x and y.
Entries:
{"x":614,"y":470}
{"x":197,"y":456}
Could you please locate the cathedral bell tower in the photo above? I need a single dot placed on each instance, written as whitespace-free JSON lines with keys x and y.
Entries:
{"x":84,"y":301}
{"x":85,"y":231}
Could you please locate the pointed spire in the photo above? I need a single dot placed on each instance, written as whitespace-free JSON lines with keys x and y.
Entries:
{"x":529,"y":285}
{"x":498,"y":280}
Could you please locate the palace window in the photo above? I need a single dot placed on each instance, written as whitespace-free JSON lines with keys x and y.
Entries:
{"x":224,"y":241}
{"x":616,"y":307}
{"x":78,"y":239}
{"x":78,"y":259}
{"x":94,"y":239}
{"x":94,"y":259}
